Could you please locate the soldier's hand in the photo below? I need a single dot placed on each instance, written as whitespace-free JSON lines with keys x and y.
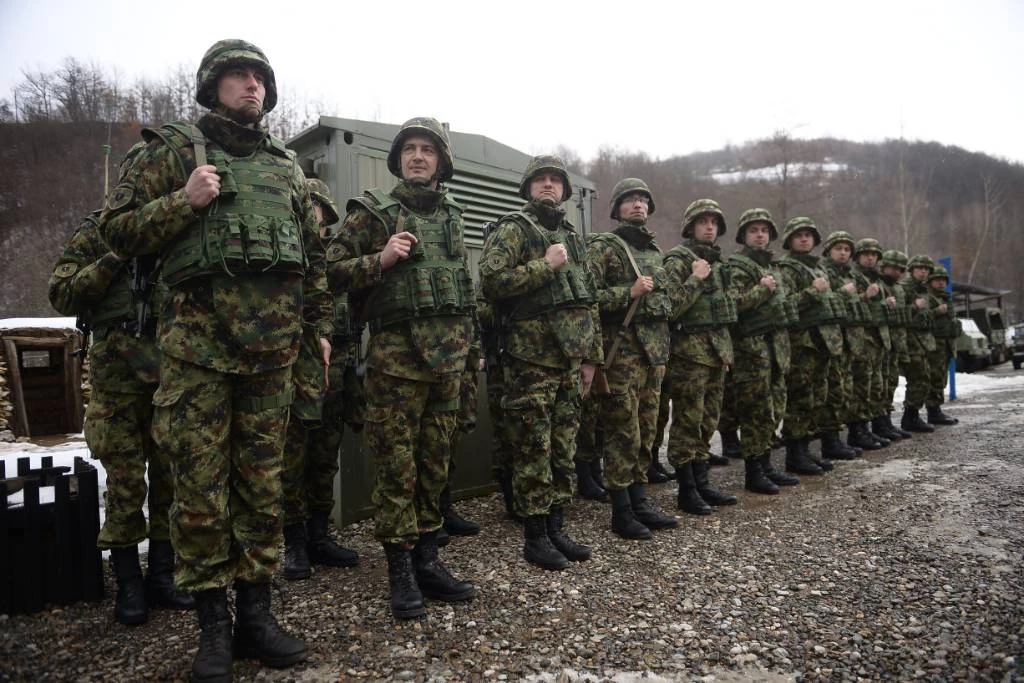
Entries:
{"x":921,"y":304}
{"x":943,"y":308}
{"x":642,"y":285}
{"x":820,"y":284}
{"x":397,"y":249}
{"x":890,"y":302}
{"x":325,"y":352}
{"x":769,"y":282}
{"x":872,"y":290}
{"x":556,"y":256}
{"x":701,"y":269}
{"x":202,"y":187}
{"x":849,"y":288}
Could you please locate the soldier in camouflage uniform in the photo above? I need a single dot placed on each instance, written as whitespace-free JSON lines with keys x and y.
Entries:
{"x":453,"y":523}
{"x":589,"y":447}
{"x":920,"y":343}
{"x":815,"y":338}
{"x":228,"y":333}
{"x":533,"y":270}
{"x":628,"y":273}
{"x":112,"y":297}
{"x":701,"y":350}
{"x":892,"y":265}
{"x":761,"y":313}
{"x":946,"y":329}
{"x":401,"y":255}
{"x":315,"y":430}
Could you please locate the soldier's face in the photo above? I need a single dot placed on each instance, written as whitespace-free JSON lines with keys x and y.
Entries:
{"x":894,"y":272}
{"x":938,"y":283}
{"x":547,"y":187}
{"x":757,"y":235}
{"x":867,"y":260}
{"x":919,"y":273}
{"x":802,"y":241}
{"x":240,"y":89}
{"x":319,"y":211}
{"x":705,"y":228}
{"x":419,"y":157}
{"x":840,"y":252}
{"x":633,"y":207}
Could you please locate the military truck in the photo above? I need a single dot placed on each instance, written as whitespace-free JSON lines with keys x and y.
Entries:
{"x":351,"y":156}
{"x":970,"y":302}
{"x":972,"y":349}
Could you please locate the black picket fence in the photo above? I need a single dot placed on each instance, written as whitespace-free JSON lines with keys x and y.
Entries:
{"x":48,"y":551}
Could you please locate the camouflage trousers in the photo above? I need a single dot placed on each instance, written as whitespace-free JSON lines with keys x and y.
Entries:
{"x":868,"y":382}
{"x":918,"y":374}
{"x":780,"y":397}
{"x":696,"y":394}
{"x":628,"y":416}
{"x":892,"y":378}
{"x":501,"y":439}
{"x":410,"y":425}
{"x":589,"y":439}
{"x":938,"y":374}
{"x":117,"y":430}
{"x":747,"y":401}
{"x":224,"y":436}
{"x":542,"y":410}
{"x":836,"y":410}
{"x":806,"y":390}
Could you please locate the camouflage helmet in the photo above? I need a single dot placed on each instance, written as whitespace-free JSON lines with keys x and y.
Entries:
{"x":630,"y":186}
{"x":835,"y":238}
{"x":800,"y":223}
{"x":895,"y":258}
{"x":753,"y":216}
{"x":939,"y":272}
{"x":699,"y":207}
{"x":432,"y":128}
{"x":921,"y":261}
{"x":320,"y":193}
{"x":545,"y":162}
{"x":225,"y":53}
{"x":868,"y":245}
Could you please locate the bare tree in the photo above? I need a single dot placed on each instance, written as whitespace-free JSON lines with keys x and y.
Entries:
{"x":913,"y":198}
{"x":993,"y":201}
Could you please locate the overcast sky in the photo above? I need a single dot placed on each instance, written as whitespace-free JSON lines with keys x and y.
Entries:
{"x":536,"y":74}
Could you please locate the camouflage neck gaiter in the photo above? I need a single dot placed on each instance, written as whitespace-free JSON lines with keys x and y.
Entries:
{"x":709,"y":252}
{"x":235,"y":138}
{"x":549,"y":216}
{"x":636,"y":234}
{"x":761,"y":257}
{"x":417,"y":197}
{"x":807,"y":258}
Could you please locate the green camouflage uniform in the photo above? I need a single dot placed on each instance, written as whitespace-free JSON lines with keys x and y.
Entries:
{"x":946,"y":329}
{"x":491,"y":345}
{"x":900,"y":355}
{"x":868,"y":369}
{"x":836,"y":411}
{"x":89,"y":281}
{"x":781,"y":353}
{"x":920,"y":343}
{"x":228,"y":335}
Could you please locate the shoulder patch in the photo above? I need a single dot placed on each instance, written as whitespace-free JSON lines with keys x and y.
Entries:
{"x":335,"y":252}
{"x":120,"y":197}
{"x":65,"y":270}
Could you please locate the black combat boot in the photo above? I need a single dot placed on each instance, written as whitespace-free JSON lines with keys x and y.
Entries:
{"x":754,"y":479}
{"x":937,"y":417}
{"x":624,"y":521}
{"x":455,"y":524}
{"x":832,"y":447}
{"x":406,"y":598}
{"x":645,"y":513}
{"x":902,"y":432}
{"x":777,"y":477}
{"x":585,"y":484}
{"x":656,"y":474}
{"x":322,"y":549}
{"x":824,"y":464}
{"x":538,"y":548}
{"x":433,"y":578}
{"x":296,"y":558}
{"x":714,"y":498}
{"x":881,"y":427}
{"x":504,"y":478}
{"x":688,"y":498}
{"x":869,"y":427}
{"x":130,"y":604}
{"x":573,"y":551}
{"x":159,"y":584}
{"x":212,"y":663}
{"x":912,"y":422}
{"x":731,"y":443}
{"x":443,"y":537}
{"x":797,"y":461}
{"x":257,"y":633}
{"x":658,"y":465}
{"x":860,"y":437}
{"x":717,"y":460}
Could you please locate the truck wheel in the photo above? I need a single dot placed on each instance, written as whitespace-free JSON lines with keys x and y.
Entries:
{"x":1016,"y":364}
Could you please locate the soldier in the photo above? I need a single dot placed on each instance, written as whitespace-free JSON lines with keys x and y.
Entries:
{"x":452,"y":522}
{"x":589,"y":449}
{"x":404,"y":251}
{"x":920,"y":343}
{"x":228,"y":333}
{"x":761,"y":312}
{"x":701,"y":350}
{"x":533,"y":268}
{"x":316,"y":427}
{"x":113,"y":298}
{"x":893,"y":264}
{"x":946,"y":329}
{"x":815,"y":339}
{"x":635,"y":309}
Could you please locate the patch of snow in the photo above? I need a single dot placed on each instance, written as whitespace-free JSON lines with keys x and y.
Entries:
{"x":795,"y":170}
{"x":48,"y":323}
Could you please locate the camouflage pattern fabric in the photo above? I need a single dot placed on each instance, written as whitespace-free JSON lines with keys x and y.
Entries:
{"x":836,"y":411}
{"x":938,"y":376}
{"x":806,"y":389}
{"x":491,"y":346}
{"x":588,"y":438}
{"x":918,"y":373}
{"x":868,"y":380}
{"x":324,"y":442}
{"x":306,"y":414}
{"x":696,"y":393}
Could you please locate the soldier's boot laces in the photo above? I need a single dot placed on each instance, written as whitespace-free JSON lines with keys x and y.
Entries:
{"x":130,"y":604}
{"x":624,"y":521}
{"x":322,"y":549}
{"x":555,"y":523}
{"x":701,"y":473}
{"x":754,"y":479}
{"x":731,"y":443}
{"x":832,"y":447}
{"x":586,"y":486}
{"x":911,"y":421}
{"x":645,"y":513}
{"x":902,"y":432}
{"x":159,"y":584}
{"x":212,"y":663}
{"x":296,"y":557}
{"x":797,"y":462}
{"x":406,"y":598}
{"x":937,"y":417}
{"x":777,"y":477}
{"x":656,"y":474}
{"x":688,"y":499}
{"x":881,"y":427}
{"x":860,"y":437}
{"x":825,"y":464}
{"x":257,"y":633}
{"x":537,"y":548}
{"x":453,"y":522}
{"x":433,"y":578}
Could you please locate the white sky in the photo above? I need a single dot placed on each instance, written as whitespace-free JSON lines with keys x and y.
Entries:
{"x":537,"y":74}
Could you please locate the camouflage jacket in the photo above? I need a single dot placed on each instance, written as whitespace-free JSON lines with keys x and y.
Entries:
{"x":879,"y":334}
{"x":898,"y":333}
{"x":712,"y":348}
{"x":749,"y":294}
{"x":920,"y":339}
{"x":839,"y":275}
{"x":826,"y":338}
{"x":244,"y":324}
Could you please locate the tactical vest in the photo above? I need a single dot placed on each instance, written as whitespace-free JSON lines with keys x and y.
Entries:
{"x":344,"y":328}
{"x":568,"y":289}
{"x":945,"y":325}
{"x":434,"y":280}
{"x":251,"y":226}
{"x":772,"y":314}
{"x":857,"y":311}
{"x":920,"y":320}
{"x":714,"y":307}
{"x":654,"y":306}
{"x":827,"y":309}
{"x":900,"y":315}
{"x":876,"y":306}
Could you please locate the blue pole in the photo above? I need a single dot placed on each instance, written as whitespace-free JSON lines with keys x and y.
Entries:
{"x":947,"y":262}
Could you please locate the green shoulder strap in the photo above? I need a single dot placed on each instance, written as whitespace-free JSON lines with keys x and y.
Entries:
{"x":178,"y":135}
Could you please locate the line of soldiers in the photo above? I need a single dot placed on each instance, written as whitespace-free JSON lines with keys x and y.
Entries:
{"x":227,"y":322}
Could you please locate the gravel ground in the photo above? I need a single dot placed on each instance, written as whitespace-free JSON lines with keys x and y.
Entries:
{"x":906,"y":564}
